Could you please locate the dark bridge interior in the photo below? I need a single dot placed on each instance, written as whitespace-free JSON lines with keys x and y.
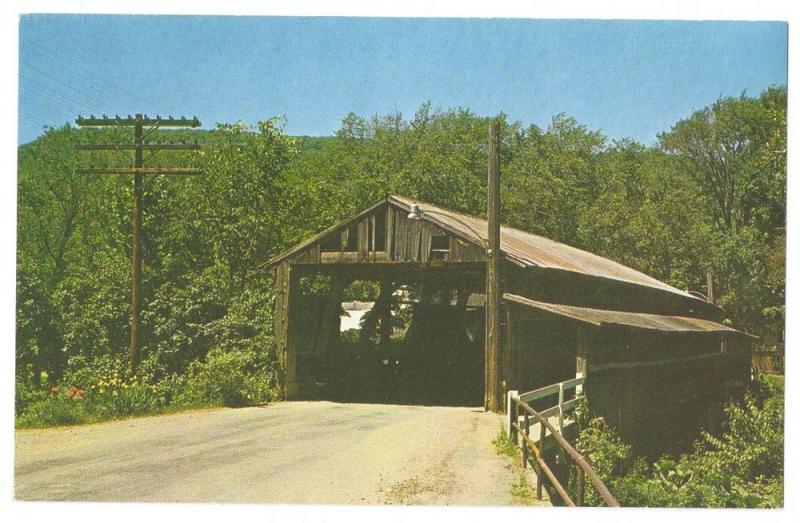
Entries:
{"x":419,"y":341}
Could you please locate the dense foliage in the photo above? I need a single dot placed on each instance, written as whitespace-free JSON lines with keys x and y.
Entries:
{"x":710,"y":196}
{"x":742,"y":467}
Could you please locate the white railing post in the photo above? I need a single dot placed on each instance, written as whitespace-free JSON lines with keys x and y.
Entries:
{"x":511,"y":415}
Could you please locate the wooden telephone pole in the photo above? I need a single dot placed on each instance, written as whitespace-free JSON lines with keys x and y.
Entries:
{"x":493,"y":400}
{"x":138,"y":170}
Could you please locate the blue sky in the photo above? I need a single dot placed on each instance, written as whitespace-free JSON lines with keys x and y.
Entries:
{"x":626,"y":78}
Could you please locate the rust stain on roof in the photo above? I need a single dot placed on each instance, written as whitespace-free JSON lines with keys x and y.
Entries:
{"x":530,"y":250}
{"x":630,"y":319}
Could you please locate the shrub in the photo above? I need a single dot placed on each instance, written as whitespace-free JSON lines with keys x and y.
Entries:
{"x":93,"y":375}
{"x":27,"y":394}
{"x":743,"y":467}
{"x":124,"y":400}
{"x":232,"y":379}
{"x":104,"y":388}
{"x":60,"y":409}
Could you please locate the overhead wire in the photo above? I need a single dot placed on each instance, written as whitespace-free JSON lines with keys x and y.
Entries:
{"x":60,"y":66}
{"x":63,"y":83}
{"x":91,"y":73}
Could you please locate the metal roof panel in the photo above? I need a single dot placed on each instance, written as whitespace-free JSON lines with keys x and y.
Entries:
{"x":538,"y":251}
{"x":629,"y":319}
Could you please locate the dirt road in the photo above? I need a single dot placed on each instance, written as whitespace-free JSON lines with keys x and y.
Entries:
{"x":297,"y":452}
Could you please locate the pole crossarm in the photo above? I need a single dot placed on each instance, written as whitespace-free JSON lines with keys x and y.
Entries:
{"x":105,"y":121}
{"x":133,"y":147}
{"x":186,"y":171}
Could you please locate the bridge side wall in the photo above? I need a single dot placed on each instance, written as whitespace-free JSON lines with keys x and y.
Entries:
{"x":659,"y":389}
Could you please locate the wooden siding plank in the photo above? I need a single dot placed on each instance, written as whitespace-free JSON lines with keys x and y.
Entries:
{"x":363,"y":239}
{"x":372,"y":236}
{"x":339,"y":257}
{"x":390,"y":232}
{"x":426,"y":233}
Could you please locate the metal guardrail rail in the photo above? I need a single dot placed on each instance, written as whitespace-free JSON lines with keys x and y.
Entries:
{"x":519,"y":421}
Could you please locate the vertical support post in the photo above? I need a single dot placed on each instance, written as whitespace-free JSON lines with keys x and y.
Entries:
{"x":578,"y":486}
{"x":582,"y":359}
{"x":512,"y":415}
{"x":539,"y":482}
{"x":509,"y":361}
{"x":292,"y":383}
{"x":136,"y":254}
{"x":385,"y":326}
{"x":390,"y":250}
{"x":525,"y":443}
{"x":330,"y":322}
{"x":493,"y":400}
{"x":372,"y":238}
{"x":561,"y":407}
{"x":285,"y":287}
{"x":362,"y":242}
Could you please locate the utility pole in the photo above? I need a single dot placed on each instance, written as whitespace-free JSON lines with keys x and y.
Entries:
{"x":710,"y":287}
{"x":139,"y":146}
{"x":492,"y":400}
{"x":136,"y":255}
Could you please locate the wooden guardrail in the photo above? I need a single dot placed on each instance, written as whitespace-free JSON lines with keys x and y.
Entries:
{"x":520,"y":414}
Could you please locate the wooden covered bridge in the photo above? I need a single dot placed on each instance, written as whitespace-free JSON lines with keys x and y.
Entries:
{"x":651,"y":353}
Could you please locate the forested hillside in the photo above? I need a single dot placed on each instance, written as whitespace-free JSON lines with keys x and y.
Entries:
{"x":709,"y":196}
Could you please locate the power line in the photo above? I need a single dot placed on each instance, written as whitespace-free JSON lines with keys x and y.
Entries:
{"x":62,"y":83}
{"x":77,"y":66}
{"x":43,"y":112}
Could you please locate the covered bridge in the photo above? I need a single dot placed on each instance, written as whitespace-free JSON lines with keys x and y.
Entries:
{"x":649,"y":351}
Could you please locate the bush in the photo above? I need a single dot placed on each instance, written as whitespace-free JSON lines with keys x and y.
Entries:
{"x":60,"y":409}
{"x":126,"y":400}
{"x":94,"y":375}
{"x":741,"y":468}
{"x":232,"y":379}
{"x":27,"y":394}
{"x":105,"y":388}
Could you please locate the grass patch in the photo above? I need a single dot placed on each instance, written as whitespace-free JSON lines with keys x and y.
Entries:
{"x":522,"y":491}
{"x":504,"y":446}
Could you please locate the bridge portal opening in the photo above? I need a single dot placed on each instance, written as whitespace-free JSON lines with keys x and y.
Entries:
{"x":403,"y":339}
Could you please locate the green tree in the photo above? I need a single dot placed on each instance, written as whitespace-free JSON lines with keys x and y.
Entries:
{"x":732,"y":150}
{"x":735,"y":151}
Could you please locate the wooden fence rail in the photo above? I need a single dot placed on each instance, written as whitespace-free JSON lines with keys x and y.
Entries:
{"x":518,"y":409}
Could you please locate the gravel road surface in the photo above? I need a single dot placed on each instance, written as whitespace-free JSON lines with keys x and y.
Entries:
{"x":294,"y":452}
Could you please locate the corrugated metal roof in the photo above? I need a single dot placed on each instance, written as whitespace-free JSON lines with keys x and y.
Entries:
{"x":529,"y":249}
{"x":523,"y":248}
{"x":630,"y":319}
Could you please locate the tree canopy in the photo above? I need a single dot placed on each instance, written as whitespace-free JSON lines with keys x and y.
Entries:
{"x":710,"y":196}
